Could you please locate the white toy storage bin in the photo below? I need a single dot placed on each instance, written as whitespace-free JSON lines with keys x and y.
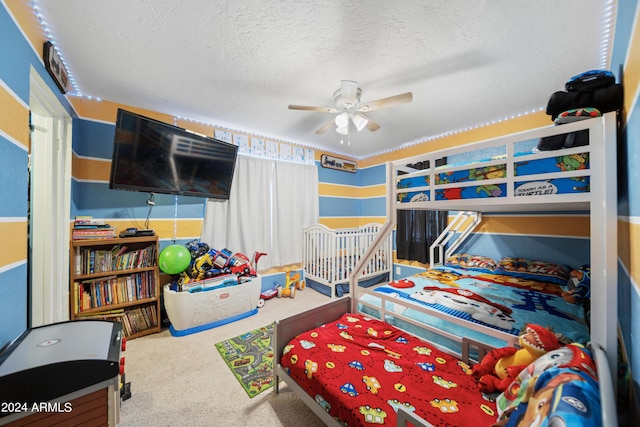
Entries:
{"x":191,"y":312}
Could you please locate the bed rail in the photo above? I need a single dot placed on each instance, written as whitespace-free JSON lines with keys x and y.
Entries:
{"x":453,"y":236}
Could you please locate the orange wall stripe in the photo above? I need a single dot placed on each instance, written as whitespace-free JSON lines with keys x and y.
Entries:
{"x":505,"y":127}
{"x":14,"y":245}
{"x":337,"y":190}
{"x":350,"y":222}
{"x":26,"y":19}
{"x":329,"y":190}
{"x":561,"y":226}
{"x":186,"y":228}
{"x":14,"y":120}
{"x":628,"y":252}
{"x":373,"y":191}
{"x":90,"y":169}
{"x":632,"y":70}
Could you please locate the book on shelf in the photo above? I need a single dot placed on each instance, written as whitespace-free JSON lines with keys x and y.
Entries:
{"x":132,"y":320}
{"x":105,"y":291}
{"x":99,"y":233}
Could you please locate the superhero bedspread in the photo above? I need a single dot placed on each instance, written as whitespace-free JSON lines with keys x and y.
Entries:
{"x":472,"y":179}
{"x":503,"y":296}
{"x":360,"y":370}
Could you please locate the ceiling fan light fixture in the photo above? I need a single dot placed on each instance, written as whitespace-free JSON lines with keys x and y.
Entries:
{"x":342,"y":130}
{"x":359,"y":121}
{"x":342,"y":120}
{"x":350,"y":92}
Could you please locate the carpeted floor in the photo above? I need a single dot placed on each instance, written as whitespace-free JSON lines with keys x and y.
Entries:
{"x":184,"y":381}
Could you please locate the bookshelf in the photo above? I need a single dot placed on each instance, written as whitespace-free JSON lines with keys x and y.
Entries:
{"x":116,"y":279}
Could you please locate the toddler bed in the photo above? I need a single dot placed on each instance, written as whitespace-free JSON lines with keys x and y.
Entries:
{"x":330,"y":256}
{"x":479,"y":298}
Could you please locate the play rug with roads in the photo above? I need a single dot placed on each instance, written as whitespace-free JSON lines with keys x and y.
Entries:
{"x":250,"y":358}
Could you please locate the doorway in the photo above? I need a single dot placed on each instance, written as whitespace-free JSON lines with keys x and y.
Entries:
{"x":49,"y":206}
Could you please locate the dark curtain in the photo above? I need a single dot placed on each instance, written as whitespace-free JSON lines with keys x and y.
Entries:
{"x":416,"y":230}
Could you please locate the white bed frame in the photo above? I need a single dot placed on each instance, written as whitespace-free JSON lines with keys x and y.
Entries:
{"x":600,"y":201}
{"x":326,"y":249}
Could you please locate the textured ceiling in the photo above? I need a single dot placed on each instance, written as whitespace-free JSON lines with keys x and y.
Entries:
{"x":239,"y":64}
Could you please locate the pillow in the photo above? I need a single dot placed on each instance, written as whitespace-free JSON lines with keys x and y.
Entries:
{"x":540,"y":271}
{"x":568,"y":374}
{"x":561,"y":397}
{"x":472,"y":262}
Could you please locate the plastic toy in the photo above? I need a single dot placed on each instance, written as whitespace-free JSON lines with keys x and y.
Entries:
{"x":197,"y":248}
{"x":268,"y":294}
{"x":292,"y":283}
{"x":174,"y":259}
{"x":221,"y":258}
{"x":501,"y":366}
{"x":240,"y":266}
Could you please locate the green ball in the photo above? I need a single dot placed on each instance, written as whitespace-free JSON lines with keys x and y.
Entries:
{"x":174,"y":259}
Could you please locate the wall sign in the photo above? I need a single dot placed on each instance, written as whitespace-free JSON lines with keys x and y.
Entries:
{"x":55,"y":67}
{"x":336,"y":163}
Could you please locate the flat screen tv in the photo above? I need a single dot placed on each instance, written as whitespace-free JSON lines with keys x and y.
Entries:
{"x":155,"y":157}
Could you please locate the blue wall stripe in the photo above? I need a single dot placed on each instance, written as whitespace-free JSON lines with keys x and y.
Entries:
{"x":625,"y":18}
{"x":97,"y":200}
{"x":374,"y":206}
{"x":373,"y":175}
{"x":336,"y":206}
{"x":571,"y":252}
{"x":630,"y":161}
{"x":93,"y":139}
{"x":17,"y":55}
{"x":13,"y":315}
{"x":14,"y":176}
{"x":333,"y":176}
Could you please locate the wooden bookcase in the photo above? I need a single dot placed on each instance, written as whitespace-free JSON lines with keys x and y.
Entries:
{"x":116,"y":279}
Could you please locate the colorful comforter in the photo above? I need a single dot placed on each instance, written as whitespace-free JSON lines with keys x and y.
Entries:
{"x":502,"y":302}
{"x":361,"y":370}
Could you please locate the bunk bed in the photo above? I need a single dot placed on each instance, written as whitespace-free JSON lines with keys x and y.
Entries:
{"x":507,"y":192}
{"x":329,"y":256}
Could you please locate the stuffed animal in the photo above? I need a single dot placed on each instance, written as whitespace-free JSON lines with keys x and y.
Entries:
{"x":578,"y":287}
{"x":500,"y":366}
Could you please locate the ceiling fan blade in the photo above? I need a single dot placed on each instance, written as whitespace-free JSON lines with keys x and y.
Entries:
{"x":372,"y":126}
{"x":310,"y":108}
{"x":349,"y":92}
{"x":325,"y":127}
{"x":391,"y":101}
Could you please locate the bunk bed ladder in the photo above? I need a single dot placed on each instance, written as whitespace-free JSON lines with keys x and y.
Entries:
{"x":453,"y":236}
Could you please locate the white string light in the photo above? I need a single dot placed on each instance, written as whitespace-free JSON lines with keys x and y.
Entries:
{"x":605,"y":50}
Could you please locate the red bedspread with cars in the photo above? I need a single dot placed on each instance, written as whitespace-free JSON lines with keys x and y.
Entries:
{"x":361,"y":370}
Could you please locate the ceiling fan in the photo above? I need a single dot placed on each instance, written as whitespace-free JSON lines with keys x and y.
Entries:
{"x":349,"y":108}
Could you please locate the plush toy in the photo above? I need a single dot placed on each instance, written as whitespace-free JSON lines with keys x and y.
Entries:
{"x":578,"y":287}
{"x":500,"y":366}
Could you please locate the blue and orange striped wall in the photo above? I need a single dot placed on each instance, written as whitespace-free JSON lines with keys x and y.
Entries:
{"x":346,"y":199}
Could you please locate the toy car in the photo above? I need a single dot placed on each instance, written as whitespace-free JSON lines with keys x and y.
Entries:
{"x":240,"y":266}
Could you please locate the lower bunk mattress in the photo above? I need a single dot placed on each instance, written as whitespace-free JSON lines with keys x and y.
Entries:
{"x":361,"y":370}
{"x":473,"y":304}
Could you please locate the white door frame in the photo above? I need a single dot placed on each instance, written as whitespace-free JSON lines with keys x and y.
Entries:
{"x":50,"y":205}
